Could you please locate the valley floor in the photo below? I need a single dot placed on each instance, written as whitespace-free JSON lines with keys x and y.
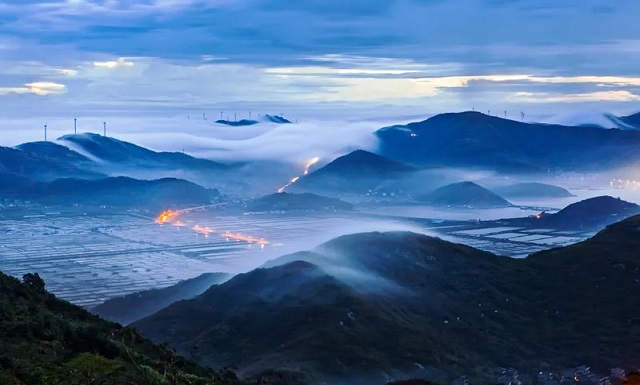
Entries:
{"x":87,"y":257}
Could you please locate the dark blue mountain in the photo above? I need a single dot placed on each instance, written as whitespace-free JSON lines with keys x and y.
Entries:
{"x":46,"y":162}
{"x":134,"y":156}
{"x":464,"y":194}
{"x":357,"y":171}
{"x":473,"y":139}
{"x":276,"y":119}
{"x":533,"y":190}
{"x":53,"y":151}
{"x":243,"y":122}
{"x":632,"y":120}
{"x":119,"y":191}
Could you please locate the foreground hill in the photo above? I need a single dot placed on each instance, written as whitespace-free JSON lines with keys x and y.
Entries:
{"x":297,"y":202}
{"x":533,"y":190}
{"x":118,"y":191}
{"x":463,"y":194}
{"x":473,"y":139}
{"x":132,"y":307}
{"x":366,"y":307}
{"x":358,"y":171}
{"x":44,"y":340}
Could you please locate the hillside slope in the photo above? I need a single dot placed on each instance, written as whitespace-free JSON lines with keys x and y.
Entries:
{"x":451,"y":308}
{"x":44,"y":340}
{"x":463,"y":194}
{"x":358,"y":171}
{"x":476,"y":140}
{"x":135,"y":306}
{"x":118,"y":191}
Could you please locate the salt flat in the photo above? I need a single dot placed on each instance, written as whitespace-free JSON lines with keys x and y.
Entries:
{"x":87,"y":258}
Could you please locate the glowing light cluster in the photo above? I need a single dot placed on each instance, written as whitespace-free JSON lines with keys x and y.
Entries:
{"x":307,"y":166}
{"x":203,"y":230}
{"x":168,"y":216}
{"x":171,"y":217}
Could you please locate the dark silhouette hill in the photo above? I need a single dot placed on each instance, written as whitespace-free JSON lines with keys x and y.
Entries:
{"x":632,"y":120}
{"x":463,"y":194}
{"x":533,"y":190}
{"x":53,"y":151}
{"x":358,"y":171}
{"x":116,"y":191}
{"x":590,"y":213}
{"x":296,"y":202}
{"x":368,"y":306}
{"x":134,"y":156}
{"x":132,"y":307}
{"x":476,"y":140}
{"x":46,"y":162}
{"x":276,"y":119}
{"x":239,"y":123}
{"x":44,"y":340}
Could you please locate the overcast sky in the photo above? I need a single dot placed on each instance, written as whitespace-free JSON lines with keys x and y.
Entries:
{"x":311,"y":59}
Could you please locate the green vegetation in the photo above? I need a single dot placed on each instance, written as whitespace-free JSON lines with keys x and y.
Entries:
{"x":46,"y":341}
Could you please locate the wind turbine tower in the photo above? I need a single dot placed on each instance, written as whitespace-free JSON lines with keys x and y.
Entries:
{"x":75,"y":125}
{"x":522,"y":116}
{"x":45,"y":132}
{"x":104,"y":128}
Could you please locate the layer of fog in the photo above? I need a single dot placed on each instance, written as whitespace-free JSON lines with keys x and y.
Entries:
{"x":327,"y":139}
{"x":316,"y":239}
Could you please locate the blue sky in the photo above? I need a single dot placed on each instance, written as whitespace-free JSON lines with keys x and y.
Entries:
{"x":314,"y":58}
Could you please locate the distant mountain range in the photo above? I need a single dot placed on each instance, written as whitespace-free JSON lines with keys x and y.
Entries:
{"x":368,"y":307}
{"x":239,"y":123}
{"x":250,"y":122}
{"x":476,"y":140}
{"x":296,"y":202}
{"x":132,"y":307}
{"x":464,"y":194}
{"x":533,"y":190}
{"x":116,"y":191}
{"x":358,"y":171}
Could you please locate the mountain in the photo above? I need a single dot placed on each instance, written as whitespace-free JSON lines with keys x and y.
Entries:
{"x":589,"y":213}
{"x":117,"y":191}
{"x":44,"y":340}
{"x":47,"y":164}
{"x":633,"y":121}
{"x":296,"y":202}
{"x":464,"y":194}
{"x":276,"y":119}
{"x":533,"y":190}
{"x":476,"y":140}
{"x":364,"y":308}
{"x":358,"y":171}
{"x":132,"y":156}
{"x":132,"y":307}
{"x":54,"y":152}
{"x":243,"y":122}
